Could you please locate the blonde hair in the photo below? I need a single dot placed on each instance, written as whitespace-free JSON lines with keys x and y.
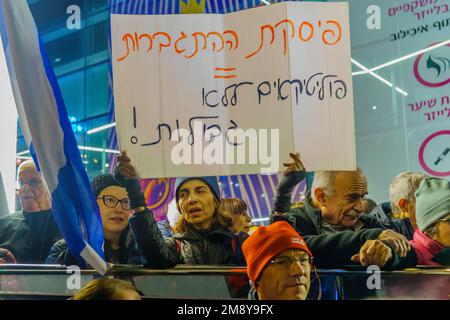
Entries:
{"x":103,"y":289}
{"x":233,"y":206}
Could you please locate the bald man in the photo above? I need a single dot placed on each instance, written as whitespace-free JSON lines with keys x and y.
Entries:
{"x":30,"y":233}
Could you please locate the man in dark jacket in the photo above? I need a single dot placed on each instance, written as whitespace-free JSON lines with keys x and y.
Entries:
{"x":29,"y":234}
{"x":332,"y":223}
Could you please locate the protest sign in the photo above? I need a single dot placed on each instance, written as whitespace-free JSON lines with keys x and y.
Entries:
{"x":280,"y":73}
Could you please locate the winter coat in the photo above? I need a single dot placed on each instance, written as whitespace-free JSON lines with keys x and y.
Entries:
{"x":126,"y":254}
{"x":336,"y":250}
{"x":429,"y":252}
{"x":217,"y":246}
{"x":29,"y":235}
{"x":383,"y":214}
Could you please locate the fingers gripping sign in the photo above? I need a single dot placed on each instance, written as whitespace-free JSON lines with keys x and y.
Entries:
{"x":124,"y":166}
{"x":126,"y":174}
{"x":297,"y":165}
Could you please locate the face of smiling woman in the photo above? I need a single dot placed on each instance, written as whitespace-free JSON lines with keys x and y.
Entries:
{"x":197,"y":204}
{"x":114,"y":216}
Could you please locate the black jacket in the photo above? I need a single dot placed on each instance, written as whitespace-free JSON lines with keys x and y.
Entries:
{"x":383,"y":214}
{"x":126,"y":254}
{"x":214,"y":247}
{"x":29,"y":235}
{"x":335,"y":250}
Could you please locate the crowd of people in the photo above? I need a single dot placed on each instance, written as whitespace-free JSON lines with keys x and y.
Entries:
{"x":336,"y":226}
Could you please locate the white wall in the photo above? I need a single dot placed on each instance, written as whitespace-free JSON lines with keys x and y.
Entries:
{"x":8,"y":131}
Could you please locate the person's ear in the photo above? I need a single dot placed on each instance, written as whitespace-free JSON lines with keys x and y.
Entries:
{"x":320,"y":196}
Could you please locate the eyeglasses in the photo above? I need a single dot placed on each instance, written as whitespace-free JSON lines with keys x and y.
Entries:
{"x":34,"y":183}
{"x":111,"y":202}
{"x":285,"y":261}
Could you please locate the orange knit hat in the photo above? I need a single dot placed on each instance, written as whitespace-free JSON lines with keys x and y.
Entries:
{"x":268,"y":242}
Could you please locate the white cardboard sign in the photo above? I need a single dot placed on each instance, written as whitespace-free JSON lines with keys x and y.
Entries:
{"x":282,"y":70}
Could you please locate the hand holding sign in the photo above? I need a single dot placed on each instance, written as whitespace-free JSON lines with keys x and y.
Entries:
{"x":297,"y":165}
{"x":126,"y":175}
{"x":183,"y":84}
{"x":124,"y":166}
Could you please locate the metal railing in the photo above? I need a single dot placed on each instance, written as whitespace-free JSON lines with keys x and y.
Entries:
{"x":223,"y":282}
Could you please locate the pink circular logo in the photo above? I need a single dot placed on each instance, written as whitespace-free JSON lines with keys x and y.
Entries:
{"x":440,"y":64}
{"x":422,"y":162}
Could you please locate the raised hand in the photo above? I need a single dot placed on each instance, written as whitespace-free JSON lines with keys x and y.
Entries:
{"x":297,"y":165}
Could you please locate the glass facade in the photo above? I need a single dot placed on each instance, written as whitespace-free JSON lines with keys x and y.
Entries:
{"x":391,"y":126}
{"x":80,"y":60}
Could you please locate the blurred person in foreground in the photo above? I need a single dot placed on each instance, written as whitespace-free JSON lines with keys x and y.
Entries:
{"x":107,"y":289}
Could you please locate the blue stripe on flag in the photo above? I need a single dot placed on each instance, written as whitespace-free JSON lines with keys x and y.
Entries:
{"x":73,"y":183}
{"x":74,"y":208}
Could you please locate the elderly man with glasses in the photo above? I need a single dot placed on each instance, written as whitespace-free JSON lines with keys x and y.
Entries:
{"x":278,"y":263}
{"x":30,"y":233}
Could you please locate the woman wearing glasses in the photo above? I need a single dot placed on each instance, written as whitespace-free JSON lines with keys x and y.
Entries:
{"x":432,"y":238}
{"x":115,"y":211}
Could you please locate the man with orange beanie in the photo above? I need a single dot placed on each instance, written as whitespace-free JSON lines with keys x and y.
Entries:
{"x":278,"y":262}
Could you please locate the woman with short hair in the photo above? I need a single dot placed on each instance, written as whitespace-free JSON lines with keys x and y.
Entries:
{"x":236,"y":209}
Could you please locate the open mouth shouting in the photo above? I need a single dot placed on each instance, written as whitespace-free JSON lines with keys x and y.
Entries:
{"x":195,"y":212}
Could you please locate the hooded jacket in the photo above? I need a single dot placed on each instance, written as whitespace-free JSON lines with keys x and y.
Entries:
{"x":216,"y":246}
{"x":29,"y":235}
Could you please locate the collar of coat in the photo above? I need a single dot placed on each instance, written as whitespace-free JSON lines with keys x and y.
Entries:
{"x":314,"y":214}
{"x":214,"y":233}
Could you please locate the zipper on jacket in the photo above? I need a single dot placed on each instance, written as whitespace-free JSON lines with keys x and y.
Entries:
{"x":204,"y":251}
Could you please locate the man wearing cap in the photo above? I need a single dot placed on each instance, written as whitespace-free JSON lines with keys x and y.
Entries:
{"x":432,"y":238}
{"x":278,"y":262}
{"x":202,"y":234}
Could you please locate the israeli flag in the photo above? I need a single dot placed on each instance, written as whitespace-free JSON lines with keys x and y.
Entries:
{"x":49,"y":135}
